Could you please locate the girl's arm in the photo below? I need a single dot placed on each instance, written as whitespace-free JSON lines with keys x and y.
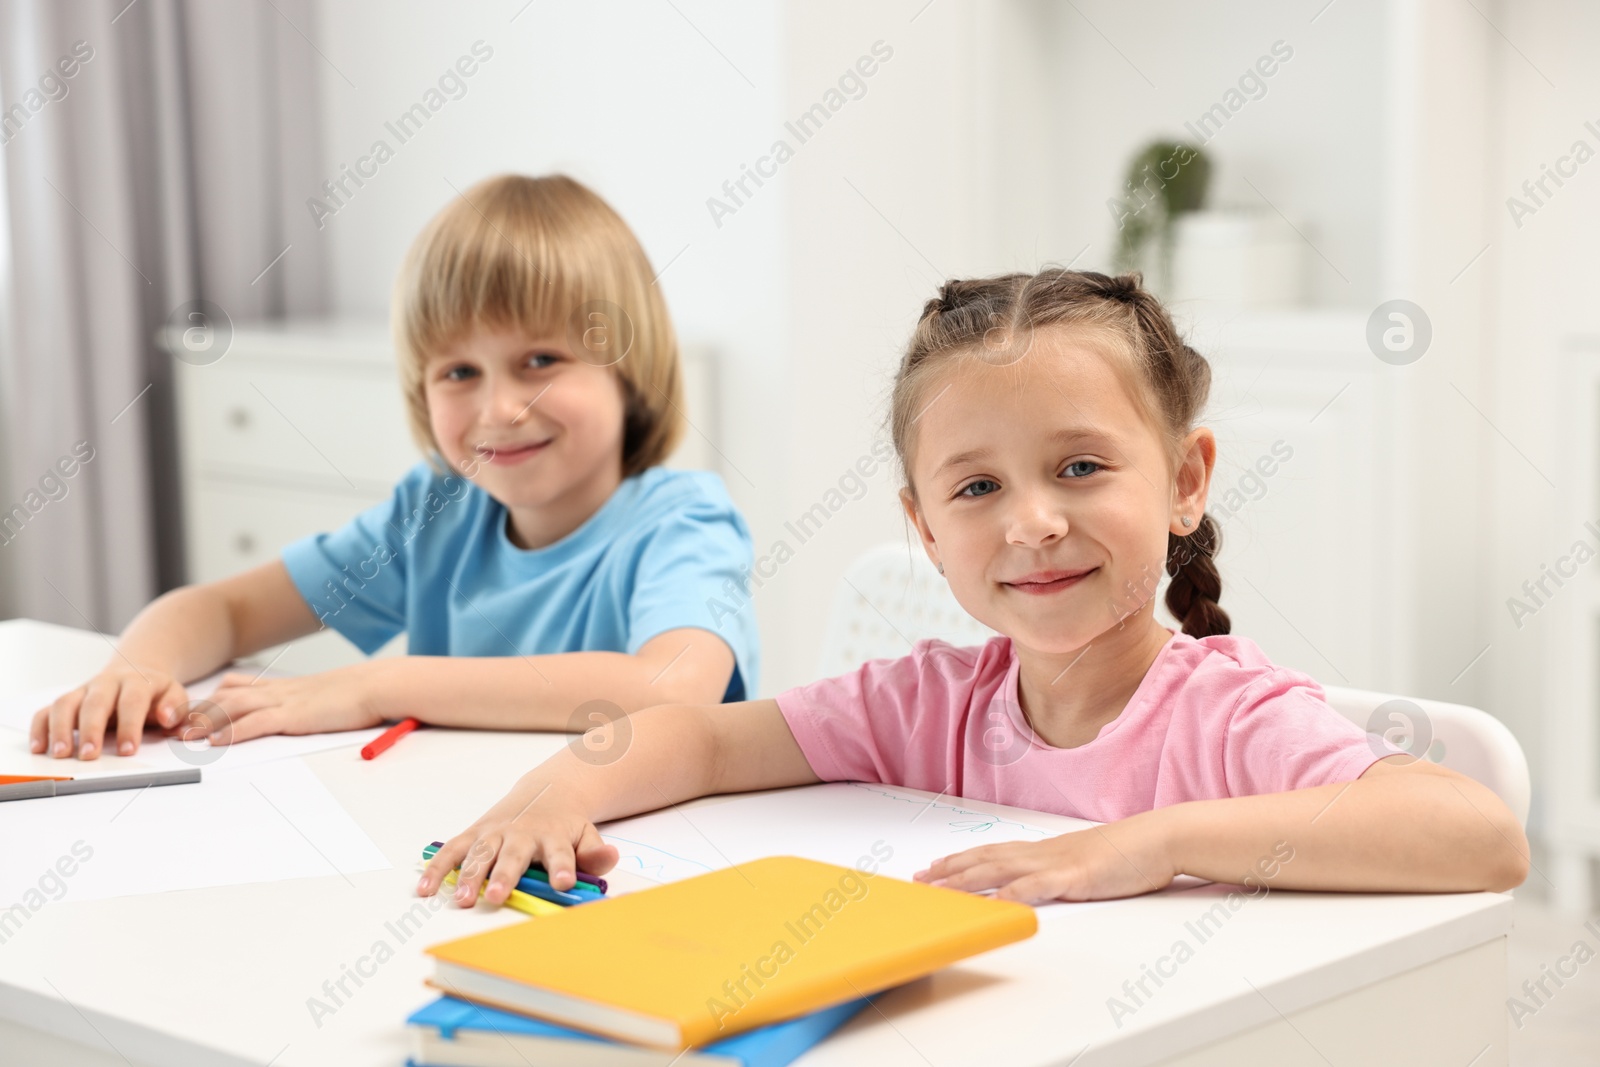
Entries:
{"x":667,"y":755}
{"x":182,"y":635}
{"x":1404,"y":826}
{"x":492,"y":693}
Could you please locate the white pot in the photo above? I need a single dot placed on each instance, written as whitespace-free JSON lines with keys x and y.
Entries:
{"x":1245,"y":259}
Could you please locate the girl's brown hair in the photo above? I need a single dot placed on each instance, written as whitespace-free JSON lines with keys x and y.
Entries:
{"x":549,"y":257}
{"x":995,"y":319}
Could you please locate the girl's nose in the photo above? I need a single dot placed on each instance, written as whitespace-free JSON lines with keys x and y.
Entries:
{"x":1035,"y":519}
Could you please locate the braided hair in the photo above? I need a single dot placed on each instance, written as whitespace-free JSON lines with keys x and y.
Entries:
{"x":995,"y":319}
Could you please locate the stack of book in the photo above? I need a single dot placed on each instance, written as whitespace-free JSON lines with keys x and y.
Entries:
{"x":750,"y":965}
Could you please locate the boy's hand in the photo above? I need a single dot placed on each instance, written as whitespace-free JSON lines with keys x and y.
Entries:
{"x":533,"y":823}
{"x":123,"y":692}
{"x":245,"y":706}
{"x":1119,"y":859}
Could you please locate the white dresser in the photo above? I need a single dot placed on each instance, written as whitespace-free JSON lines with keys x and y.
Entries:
{"x":295,"y":429}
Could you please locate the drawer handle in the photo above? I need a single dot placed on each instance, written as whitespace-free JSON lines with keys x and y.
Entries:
{"x":238,"y":418}
{"x":245,"y":543}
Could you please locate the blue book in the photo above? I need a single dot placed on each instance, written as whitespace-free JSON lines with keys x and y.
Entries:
{"x":457,"y":1033}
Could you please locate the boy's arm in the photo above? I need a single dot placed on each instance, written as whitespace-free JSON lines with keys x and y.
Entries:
{"x":1404,"y":826}
{"x":686,"y":666}
{"x":663,"y":756}
{"x":180,"y":636}
{"x":569,"y":691}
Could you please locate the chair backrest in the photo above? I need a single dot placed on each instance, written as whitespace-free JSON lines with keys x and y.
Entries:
{"x":1465,"y":739}
{"x":892,"y":596}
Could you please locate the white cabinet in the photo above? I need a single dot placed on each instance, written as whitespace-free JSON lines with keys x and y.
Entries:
{"x":298,"y":427}
{"x":1305,"y":471}
{"x":293,"y":431}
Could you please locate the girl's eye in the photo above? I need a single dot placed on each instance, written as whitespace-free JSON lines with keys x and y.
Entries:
{"x":981,"y":487}
{"x":1083,"y":463}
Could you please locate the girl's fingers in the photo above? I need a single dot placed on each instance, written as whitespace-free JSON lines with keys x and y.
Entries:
{"x":444,"y":861}
{"x":516,"y":852}
{"x":594,"y":855}
{"x":946,"y":866}
{"x":474,"y":867}
{"x":1040,"y":886}
{"x":559,"y":860}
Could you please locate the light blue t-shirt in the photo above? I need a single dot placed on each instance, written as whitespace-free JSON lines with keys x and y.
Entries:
{"x":434,"y":561}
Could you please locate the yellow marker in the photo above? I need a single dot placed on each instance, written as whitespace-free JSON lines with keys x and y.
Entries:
{"x":526,"y":903}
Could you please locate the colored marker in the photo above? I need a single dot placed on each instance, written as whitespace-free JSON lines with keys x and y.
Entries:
{"x":17,"y":779}
{"x":394,"y":733}
{"x":517,"y":901}
{"x":595,"y":882}
{"x":59,"y":787}
{"x":543,"y":889}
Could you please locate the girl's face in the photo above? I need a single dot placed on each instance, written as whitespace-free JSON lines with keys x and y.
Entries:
{"x":530,"y":423}
{"x":1045,"y":495}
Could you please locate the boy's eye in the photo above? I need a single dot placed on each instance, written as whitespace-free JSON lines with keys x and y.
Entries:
{"x":1082,"y":463}
{"x":981,"y":487}
{"x":541,"y":360}
{"x":459,"y":373}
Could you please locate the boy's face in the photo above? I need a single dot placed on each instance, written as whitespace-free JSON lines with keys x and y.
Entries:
{"x":529,"y":422}
{"x":1043,"y":493}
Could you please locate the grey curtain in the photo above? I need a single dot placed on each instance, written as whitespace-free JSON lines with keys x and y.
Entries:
{"x":155,"y":153}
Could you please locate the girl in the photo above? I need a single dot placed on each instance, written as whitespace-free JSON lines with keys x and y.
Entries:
{"x":1046,"y":426}
{"x":545,"y":568}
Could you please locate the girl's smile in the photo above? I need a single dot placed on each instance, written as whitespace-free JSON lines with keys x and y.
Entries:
{"x":1043,"y":583}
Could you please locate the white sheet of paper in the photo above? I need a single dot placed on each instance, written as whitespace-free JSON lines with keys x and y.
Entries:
{"x":899,"y":830}
{"x":262,"y":823}
{"x":156,"y":751}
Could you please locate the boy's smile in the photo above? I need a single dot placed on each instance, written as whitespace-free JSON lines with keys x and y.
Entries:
{"x":536,"y":428}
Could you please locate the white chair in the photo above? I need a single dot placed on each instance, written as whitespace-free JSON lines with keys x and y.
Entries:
{"x":892,"y":596}
{"x":1462,"y":738}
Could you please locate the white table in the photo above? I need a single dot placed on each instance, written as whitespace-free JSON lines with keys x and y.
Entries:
{"x":222,"y":976}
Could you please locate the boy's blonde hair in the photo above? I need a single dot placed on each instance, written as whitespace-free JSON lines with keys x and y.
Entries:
{"x":550,"y":258}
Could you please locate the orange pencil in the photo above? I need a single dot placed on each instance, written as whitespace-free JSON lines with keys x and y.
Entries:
{"x":394,"y":733}
{"x":13,"y":779}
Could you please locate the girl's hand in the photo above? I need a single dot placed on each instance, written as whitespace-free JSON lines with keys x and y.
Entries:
{"x":122,"y":691}
{"x":245,"y":707}
{"x":534,"y":822}
{"x":1120,"y":859}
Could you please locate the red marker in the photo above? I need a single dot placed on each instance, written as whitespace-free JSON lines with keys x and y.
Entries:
{"x":394,"y":733}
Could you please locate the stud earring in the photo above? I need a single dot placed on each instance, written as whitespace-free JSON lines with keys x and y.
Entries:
{"x":1186,"y":521}
{"x":940,"y":566}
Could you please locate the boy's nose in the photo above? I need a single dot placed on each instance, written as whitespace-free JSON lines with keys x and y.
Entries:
{"x":511,"y":405}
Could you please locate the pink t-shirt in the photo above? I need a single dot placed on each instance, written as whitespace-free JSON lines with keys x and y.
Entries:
{"x":1212,"y":718}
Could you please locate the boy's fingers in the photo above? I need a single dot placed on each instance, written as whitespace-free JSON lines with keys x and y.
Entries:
{"x":133,"y":704}
{"x":63,"y":716}
{"x":169,"y":705}
{"x":236,"y":678}
{"x":248,"y":726}
{"x":96,"y":708}
{"x":39,"y":731}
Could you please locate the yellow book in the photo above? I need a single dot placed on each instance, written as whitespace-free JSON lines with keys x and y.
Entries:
{"x":695,"y":961}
